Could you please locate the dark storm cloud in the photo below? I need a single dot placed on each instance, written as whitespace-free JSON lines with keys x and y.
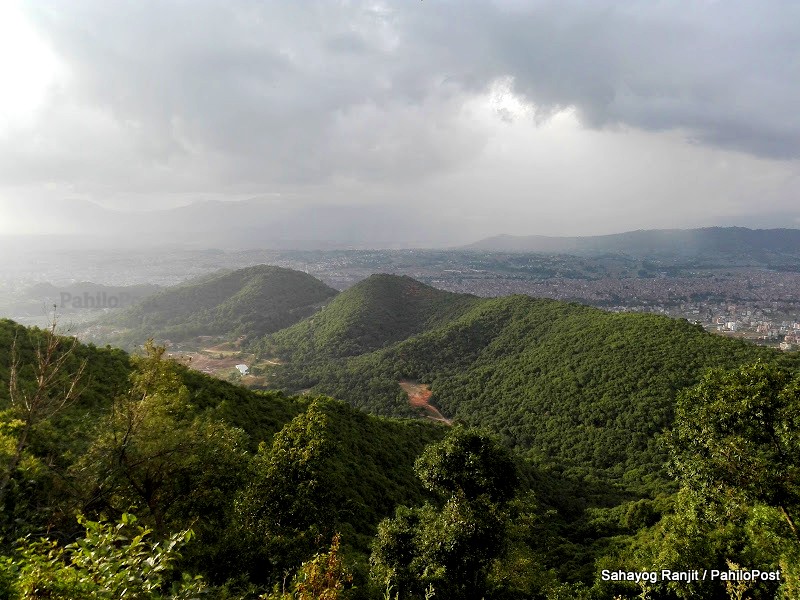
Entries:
{"x":728,"y":73}
{"x":224,"y":94}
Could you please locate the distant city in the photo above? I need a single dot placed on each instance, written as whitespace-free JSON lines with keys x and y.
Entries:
{"x":732,"y":298}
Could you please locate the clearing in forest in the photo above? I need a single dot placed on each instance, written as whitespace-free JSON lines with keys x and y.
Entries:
{"x":419,"y":395}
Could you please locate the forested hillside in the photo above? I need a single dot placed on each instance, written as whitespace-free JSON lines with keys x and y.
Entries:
{"x":570,"y":386}
{"x":248,"y":302}
{"x":132,"y":476}
{"x":149,"y":436}
{"x":372,"y":314}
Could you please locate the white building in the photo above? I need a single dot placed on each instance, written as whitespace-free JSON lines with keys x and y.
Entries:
{"x":243,"y":369}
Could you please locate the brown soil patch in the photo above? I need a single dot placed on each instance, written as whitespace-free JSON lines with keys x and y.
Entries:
{"x":419,"y":395}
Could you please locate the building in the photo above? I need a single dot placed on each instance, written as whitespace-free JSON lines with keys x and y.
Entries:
{"x":243,"y":369}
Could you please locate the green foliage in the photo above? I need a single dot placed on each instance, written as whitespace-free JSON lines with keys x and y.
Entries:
{"x":252,"y":302}
{"x":155,"y":453}
{"x":578,"y":389}
{"x":740,"y":430}
{"x":265,"y":480}
{"x":43,"y":426}
{"x":735,"y":449}
{"x":179,"y":448}
{"x":468,"y":464}
{"x":112,"y":560}
{"x":704,"y":532}
{"x":372,"y":314}
{"x":283,"y":510}
{"x":450,"y":549}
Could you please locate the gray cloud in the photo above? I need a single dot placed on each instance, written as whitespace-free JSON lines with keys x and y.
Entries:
{"x":246,"y":97}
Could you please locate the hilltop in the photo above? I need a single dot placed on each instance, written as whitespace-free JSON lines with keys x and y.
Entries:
{"x":248,"y":302}
{"x":374,"y":313}
{"x":576,"y":397}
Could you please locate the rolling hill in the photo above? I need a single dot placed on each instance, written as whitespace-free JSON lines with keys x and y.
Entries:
{"x":248,"y":302}
{"x":573,"y":387}
{"x":374,"y":313}
{"x":371,"y":460}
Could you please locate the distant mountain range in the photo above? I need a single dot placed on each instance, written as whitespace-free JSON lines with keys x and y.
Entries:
{"x":284,"y":223}
{"x":712,"y":242}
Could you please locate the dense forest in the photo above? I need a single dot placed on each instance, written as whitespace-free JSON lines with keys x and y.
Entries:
{"x":248,"y":302}
{"x":374,"y":313}
{"x":573,"y":388}
{"x":592,"y":456}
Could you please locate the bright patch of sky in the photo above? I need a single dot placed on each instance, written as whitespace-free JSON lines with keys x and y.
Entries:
{"x":28,"y":67}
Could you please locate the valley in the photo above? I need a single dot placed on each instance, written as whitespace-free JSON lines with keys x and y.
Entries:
{"x":267,"y":387}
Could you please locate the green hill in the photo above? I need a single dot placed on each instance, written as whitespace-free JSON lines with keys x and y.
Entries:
{"x":266,"y":481}
{"x":248,"y":302}
{"x":370,"y":467}
{"x":572,"y":386}
{"x":372,"y":314}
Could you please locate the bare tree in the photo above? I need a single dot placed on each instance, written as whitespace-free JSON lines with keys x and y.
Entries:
{"x":50,"y":392}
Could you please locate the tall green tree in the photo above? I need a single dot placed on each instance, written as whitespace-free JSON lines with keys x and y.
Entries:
{"x":159,"y":455}
{"x":285,"y":511}
{"x":450,"y":548}
{"x":739,"y":431}
{"x":735,"y":449}
{"x":38,"y":391}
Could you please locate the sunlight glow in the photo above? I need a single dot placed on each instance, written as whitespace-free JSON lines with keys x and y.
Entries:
{"x":27,"y":66}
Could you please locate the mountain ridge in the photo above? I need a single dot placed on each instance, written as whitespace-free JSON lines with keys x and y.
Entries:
{"x":678,"y":242}
{"x":378,"y":310}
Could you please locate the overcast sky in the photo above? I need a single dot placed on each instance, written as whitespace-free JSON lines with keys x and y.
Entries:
{"x":560,"y":118}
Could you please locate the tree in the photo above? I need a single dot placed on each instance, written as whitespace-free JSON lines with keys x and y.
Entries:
{"x":324,"y":577}
{"x":468,"y":464}
{"x":450,"y":548}
{"x":285,"y":510}
{"x":51,"y":387}
{"x":739,"y":431}
{"x":156,"y":453}
{"x":112,"y":560}
{"x":736,"y":451}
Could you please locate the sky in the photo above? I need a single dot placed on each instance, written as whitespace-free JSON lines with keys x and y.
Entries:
{"x":470,"y":118}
